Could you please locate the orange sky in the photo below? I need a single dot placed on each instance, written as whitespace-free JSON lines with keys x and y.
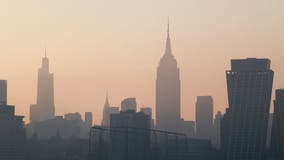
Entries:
{"x":95,"y":46}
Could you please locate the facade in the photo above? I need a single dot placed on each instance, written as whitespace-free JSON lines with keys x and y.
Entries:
{"x":44,"y":109}
{"x":204,"y":117}
{"x":277,"y":135}
{"x":249,"y":84}
{"x":168,"y":106}
{"x":129,"y":104}
{"x":12,"y":132}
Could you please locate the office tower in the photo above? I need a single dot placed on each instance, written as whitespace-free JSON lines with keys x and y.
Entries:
{"x":168,"y":91}
{"x":3,"y":92}
{"x":187,"y":128}
{"x":89,"y":119}
{"x":44,"y":108}
{"x":129,"y":104}
{"x":249,"y":84}
{"x":277,"y":135}
{"x":130,"y":136}
{"x":204,"y":117}
{"x":12,"y":132}
{"x":216,"y":130}
{"x":148,"y":111}
{"x":108,"y":110}
{"x":73,"y":116}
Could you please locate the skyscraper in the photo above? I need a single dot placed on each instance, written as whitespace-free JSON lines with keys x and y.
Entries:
{"x":277,"y":135}
{"x":108,"y":110}
{"x":89,"y":119}
{"x":204,"y":117}
{"x":249,"y":84}
{"x":12,"y":132}
{"x":44,"y":109}
{"x":216,"y":130}
{"x":168,"y":91}
{"x":129,"y":104}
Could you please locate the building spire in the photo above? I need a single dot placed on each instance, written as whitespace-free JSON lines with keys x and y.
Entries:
{"x":168,"y":50}
{"x":107,"y":101}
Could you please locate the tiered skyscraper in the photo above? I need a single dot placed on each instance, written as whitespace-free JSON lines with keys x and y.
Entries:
{"x":244,"y":126}
{"x":44,"y":109}
{"x":108,"y":110}
{"x":168,"y":91}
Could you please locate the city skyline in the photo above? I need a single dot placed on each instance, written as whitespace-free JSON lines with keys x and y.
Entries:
{"x":138,"y":69}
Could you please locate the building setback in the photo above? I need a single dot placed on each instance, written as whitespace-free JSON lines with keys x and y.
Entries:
{"x":168,"y":91}
{"x":44,"y":109}
{"x":12,"y":132}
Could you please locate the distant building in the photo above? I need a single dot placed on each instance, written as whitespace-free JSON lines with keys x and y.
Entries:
{"x":108,"y":110}
{"x":131,"y":136}
{"x":216,"y":131}
{"x":73,"y":116}
{"x":204,"y":117}
{"x":277,"y":135}
{"x":3,"y":92}
{"x":44,"y":109}
{"x":65,"y":128}
{"x":168,"y":105}
{"x":148,"y":111}
{"x":129,"y":104}
{"x":12,"y":132}
{"x":89,"y":119}
{"x":187,"y":128}
{"x":249,"y":84}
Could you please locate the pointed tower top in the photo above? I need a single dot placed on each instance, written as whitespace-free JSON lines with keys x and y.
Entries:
{"x":107,"y":101}
{"x":168,"y":51}
{"x":44,"y":52}
{"x":168,"y":26}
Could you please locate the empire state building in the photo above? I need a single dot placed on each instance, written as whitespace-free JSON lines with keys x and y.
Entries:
{"x":168,"y":91}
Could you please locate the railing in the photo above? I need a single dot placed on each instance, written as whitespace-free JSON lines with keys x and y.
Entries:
{"x":130,"y":143}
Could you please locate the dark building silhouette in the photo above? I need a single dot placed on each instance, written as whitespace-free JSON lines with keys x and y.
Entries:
{"x":89,"y":119}
{"x":12,"y":132}
{"x":244,"y":130}
{"x":277,"y":135}
{"x":187,"y":128}
{"x":204,"y":117}
{"x":108,"y":110}
{"x":129,"y":104}
{"x":129,"y":143}
{"x":168,"y":91}
{"x":216,"y":131}
{"x":44,"y":109}
{"x":148,"y":111}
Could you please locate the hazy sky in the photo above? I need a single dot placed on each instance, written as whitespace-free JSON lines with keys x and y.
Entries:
{"x":115,"y":45}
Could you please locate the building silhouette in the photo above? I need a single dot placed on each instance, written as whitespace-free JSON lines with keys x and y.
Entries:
{"x":127,"y":142}
{"x":168,"y":91}
{"x":12,"y":132}
{"x":148,"y":111}
{"x":129,"y":104}
{"x":244,"y":130}
{"x":44,"y":109}
{"x":277,"y":134}
{"x":204,"y":117}
{"x":107,"y":111}
{"x":89,"y":119}
{"x":216,"y":130}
